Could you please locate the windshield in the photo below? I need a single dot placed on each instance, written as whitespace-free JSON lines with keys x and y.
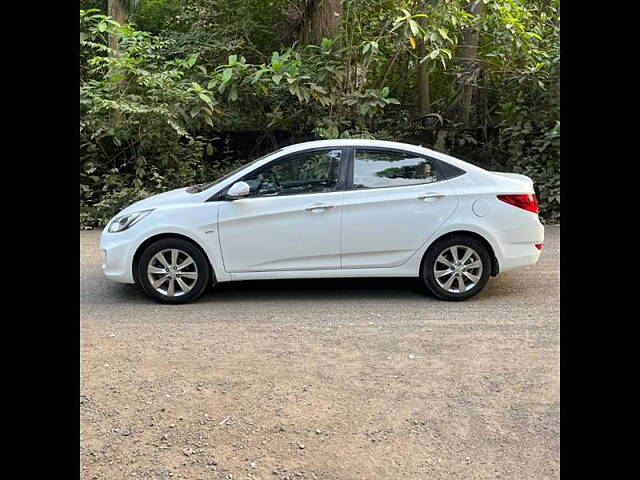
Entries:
{"x":205,"y":186}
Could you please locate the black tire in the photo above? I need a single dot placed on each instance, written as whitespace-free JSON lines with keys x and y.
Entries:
{"x":440,"y":246}
{"x":202,"y":264}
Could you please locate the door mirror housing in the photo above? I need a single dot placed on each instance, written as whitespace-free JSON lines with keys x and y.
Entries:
{"x":238,"y":190}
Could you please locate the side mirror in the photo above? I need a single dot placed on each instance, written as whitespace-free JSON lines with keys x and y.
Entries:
{"x":238,"y":190}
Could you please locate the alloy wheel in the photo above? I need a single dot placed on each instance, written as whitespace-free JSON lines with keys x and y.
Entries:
{"x":172,"y":272}
{"x":458,"y":269}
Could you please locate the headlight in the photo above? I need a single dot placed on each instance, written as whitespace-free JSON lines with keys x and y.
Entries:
{"x":122,"y":222}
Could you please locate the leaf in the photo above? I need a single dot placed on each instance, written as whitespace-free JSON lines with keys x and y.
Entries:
{"x":259,"y":74}
{"x":226,"y":75}
{"x":412,"y":41}
{"x":384,"y":92}
{"x":415,"y":29}
{"x":366,"y":48}
{"x":396,"y":26}
{"x":443,"y":34}
{"x":276,"y":78}
{"x":233,"y":94}
{"x":209,"y":149}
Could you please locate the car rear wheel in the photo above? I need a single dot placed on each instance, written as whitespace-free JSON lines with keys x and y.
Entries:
{"x":456,"y":268}
{"x":173,"y":270}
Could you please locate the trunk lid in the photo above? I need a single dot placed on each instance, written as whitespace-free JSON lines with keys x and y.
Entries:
{"x":516,"y":176}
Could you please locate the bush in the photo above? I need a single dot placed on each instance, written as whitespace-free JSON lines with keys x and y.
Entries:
{"x":165,"y":109}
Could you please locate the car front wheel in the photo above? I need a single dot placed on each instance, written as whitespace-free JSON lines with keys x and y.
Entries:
{"x":456,"y":268}
{"x":173,"y":270}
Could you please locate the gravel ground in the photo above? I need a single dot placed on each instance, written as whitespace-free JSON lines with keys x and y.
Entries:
{"x":321,"y":379}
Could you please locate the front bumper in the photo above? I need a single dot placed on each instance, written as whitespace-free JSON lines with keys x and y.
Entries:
{"x":117,"y":250}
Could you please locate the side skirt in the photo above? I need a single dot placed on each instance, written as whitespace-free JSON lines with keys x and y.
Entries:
{"x":401,"y":271}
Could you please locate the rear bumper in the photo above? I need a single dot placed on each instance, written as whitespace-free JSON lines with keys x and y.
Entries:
{"x":517,"y":248}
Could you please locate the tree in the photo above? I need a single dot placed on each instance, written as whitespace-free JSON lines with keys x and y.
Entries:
{"x":467,"y":59}
{"x":317,"y":19}
{"x":223,"y":72}
{"x":424,"y":104}
{"x":119,"y":11}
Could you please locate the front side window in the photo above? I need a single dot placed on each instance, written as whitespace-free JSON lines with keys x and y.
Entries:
{"x":312,"y":172}
{"x":378,"y":169}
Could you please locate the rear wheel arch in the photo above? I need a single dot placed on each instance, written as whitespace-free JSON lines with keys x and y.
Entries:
{"x":495,"y":267}
{"x":149,"y":241}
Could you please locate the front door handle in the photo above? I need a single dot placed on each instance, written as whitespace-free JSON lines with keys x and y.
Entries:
{"x":318,"y":208}
{"x":431,"y":196}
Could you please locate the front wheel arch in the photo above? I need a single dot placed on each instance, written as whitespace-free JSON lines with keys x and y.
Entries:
{"x":143,"y":246}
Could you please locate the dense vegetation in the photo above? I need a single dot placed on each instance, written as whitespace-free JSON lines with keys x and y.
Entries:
{"x":176,"y":92}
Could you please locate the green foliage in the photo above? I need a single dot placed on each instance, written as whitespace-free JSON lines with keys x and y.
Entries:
{"x":140,"y":116}
{"x":161,"y":112}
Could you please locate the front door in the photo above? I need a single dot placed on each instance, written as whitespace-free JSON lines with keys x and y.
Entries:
{"x":394,"y":202}
{"x":291,"y":219}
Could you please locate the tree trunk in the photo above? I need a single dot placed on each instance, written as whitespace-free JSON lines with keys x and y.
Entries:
{"x":117,"y":11}
{"x":467,"y":56}
{"x":424,"y":105}
{"x":320,"y":18}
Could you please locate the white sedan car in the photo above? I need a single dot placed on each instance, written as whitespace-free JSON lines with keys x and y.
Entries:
{"x":332,"y":208}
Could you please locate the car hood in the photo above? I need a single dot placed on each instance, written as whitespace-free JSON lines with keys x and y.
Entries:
{"x":179,"y":195}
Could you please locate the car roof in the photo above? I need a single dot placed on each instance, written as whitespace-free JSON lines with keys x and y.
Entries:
{"x":339,"y":142}
{"x":365,"y":142}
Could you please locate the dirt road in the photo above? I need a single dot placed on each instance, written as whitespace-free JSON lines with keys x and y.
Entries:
{"x":331,"y":379}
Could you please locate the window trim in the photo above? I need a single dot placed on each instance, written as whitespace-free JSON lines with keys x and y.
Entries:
{"x":340,"y":184}
{"x":435,"y":163}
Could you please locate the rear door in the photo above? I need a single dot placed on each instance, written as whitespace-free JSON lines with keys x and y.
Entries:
{"x":393,"y":203}
{"x":291,"y":220}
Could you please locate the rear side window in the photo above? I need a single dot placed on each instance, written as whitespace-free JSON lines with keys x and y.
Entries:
{"x":379,"y":169}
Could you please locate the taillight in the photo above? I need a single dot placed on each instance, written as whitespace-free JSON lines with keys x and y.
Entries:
{"x":527,"y":201}
{"x":539,"y":246}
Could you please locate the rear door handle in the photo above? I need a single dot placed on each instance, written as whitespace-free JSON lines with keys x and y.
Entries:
{"x":432,"y":196}
{"x":318,"y":208}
